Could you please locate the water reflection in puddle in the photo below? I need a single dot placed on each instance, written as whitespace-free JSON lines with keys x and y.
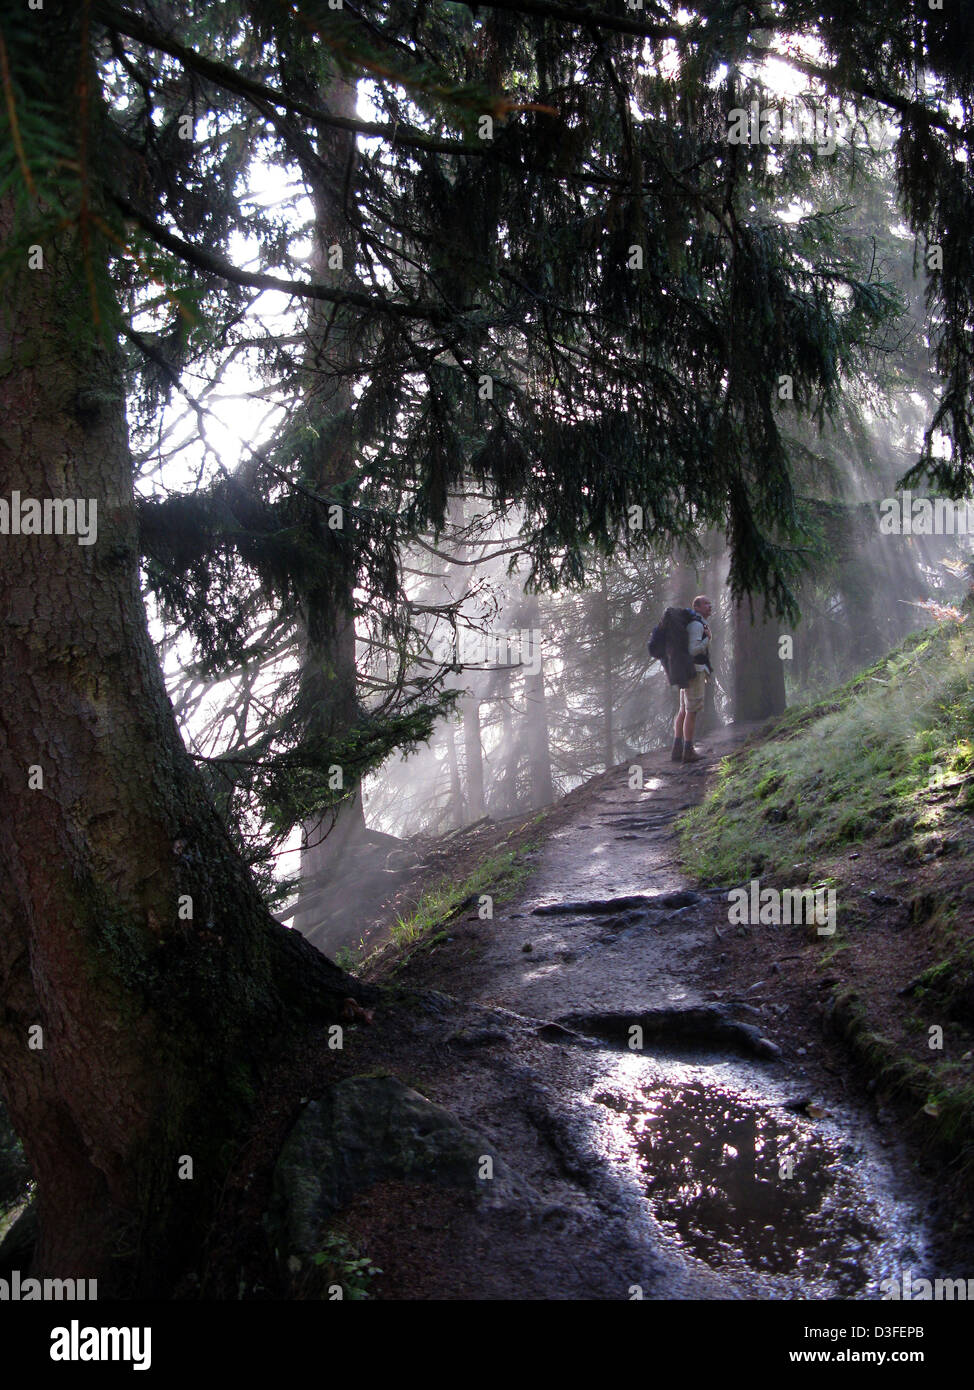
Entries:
{"x":737,"y":1181}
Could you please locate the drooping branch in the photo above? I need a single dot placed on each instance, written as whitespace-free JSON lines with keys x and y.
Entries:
{"x":212,"y":264}
{"x":262,"y":95}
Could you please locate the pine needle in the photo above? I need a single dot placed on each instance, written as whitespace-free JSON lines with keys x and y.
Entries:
{"x":8,"y":92}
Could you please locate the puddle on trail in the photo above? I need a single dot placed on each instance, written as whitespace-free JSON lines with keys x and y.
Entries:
{"x":736,"y":1180}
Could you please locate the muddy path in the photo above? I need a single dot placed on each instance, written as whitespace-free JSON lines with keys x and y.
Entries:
{"x":680,"y":1135}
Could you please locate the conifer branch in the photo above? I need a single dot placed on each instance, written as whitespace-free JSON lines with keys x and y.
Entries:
{"x":213,"y":264}
{"x":8,"y":94}
{"x":621,"y":24}
{"x":262,"y":95}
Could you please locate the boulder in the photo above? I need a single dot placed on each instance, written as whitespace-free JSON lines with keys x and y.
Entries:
{"x":371,"y":1129}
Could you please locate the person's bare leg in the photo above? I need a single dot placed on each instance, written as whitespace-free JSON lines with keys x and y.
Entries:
{"x":690,"y":754}
{"x":692,"y":701}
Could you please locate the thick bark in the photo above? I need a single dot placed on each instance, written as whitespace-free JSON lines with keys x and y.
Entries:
{"x":157,"y":1027}
{"x":759,"y":678}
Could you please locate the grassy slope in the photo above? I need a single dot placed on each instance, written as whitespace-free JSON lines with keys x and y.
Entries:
{"x":872,"y":792}
{"x":853,"y":767}
{"x":414,"y":934}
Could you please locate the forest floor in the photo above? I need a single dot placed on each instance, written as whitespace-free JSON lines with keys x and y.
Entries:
{"x":736,"y":1147}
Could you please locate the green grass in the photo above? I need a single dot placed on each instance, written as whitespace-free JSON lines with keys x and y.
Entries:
{"x":855,"y":766}
{"x":499,"y":876}
{"x":885,"y":762}
{"x":946,"y":988}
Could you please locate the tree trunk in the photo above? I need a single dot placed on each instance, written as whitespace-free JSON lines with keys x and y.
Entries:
{"x":510,"y":753}
{"x":712,"y":585}
{"x":473,"y":757}
{"x":507,"y":755}
{"x":536,"y":710}
{"x":608,"y":683}
{"x":681,"y":589}
{"x":457,"y":813}
{"x":330,"y":676}
{"x":156,"y":1025}
{"x":759,"y":679}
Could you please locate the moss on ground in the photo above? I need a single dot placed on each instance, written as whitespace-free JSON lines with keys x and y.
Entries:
{"x":878,"y":774}
{"x":871,"y":762}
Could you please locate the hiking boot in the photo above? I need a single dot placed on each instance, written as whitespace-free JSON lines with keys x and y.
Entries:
{"x":677,"y":755}
{"x":689,"y":754}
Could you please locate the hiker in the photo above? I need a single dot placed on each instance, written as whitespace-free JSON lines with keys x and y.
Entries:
{"x":693,"y":693}
{"x":681,"y":643}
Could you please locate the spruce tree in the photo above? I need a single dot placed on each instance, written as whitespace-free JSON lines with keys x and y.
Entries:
{"x":561,"y":288}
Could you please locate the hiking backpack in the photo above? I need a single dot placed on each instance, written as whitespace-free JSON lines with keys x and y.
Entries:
{"x":668,"y":645}
{"x":657,"y":641}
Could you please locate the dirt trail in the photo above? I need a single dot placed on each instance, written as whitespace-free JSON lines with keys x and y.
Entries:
{"x":700,"y":1157}
{"x":622,"y":959}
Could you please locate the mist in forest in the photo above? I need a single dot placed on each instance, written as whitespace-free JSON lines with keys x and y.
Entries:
{"x":551,"y":685}
{"x":557,"y":688}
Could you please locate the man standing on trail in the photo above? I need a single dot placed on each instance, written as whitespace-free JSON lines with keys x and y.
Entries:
{"x":692,"y":695}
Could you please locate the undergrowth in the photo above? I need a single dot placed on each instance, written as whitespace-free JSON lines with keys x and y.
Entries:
{"x":874,"y":760}
{"x":496,"y":877}
{"x":881,"y":772}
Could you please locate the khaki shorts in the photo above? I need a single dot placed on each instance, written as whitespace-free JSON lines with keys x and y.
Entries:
{"x":692,"y":698}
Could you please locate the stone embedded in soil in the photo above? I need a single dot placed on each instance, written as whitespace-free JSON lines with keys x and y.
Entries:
{"x":371,"y":1129}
